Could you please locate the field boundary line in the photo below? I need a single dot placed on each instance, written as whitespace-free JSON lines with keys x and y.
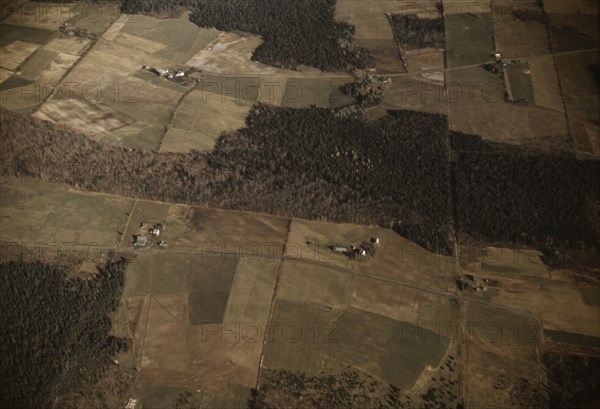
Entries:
{"x":59,"y":84}
{"x":273,"y":299}
{"x":126,"y":226}
{"x":174,"y":115}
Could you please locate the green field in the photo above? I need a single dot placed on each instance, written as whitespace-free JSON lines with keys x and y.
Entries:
{"x":469,"y":39}
{"x":395,"y":351}
{"x":50,"y":213}
{"x":564,"y":40}
{"x":590,"y":295}
{"x":298,"y":337}
{"x":322,"y":92}
{"x":500,"y":327}
{"x":10,"y":33}
{"x":520,"y":82}
{"x":182,"y":38}
{"x":565,"y":337}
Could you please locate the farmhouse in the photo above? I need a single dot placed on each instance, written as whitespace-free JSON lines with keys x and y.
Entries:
{"x":140,"y":241}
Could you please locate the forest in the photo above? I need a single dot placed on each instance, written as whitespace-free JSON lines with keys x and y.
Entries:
{"x":296,"y":32}
{"x":56,"y":330}
{"x":405,"y":171}
{"x":282,"y":388}
{"x":508,"y":194}
{"x":412,"y":32}
{"x":573,"y":380}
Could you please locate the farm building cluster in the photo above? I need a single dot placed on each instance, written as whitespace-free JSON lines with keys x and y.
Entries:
{"x":475,"y":283}
{"x":366,"y":247}
{"x":149,"y":234}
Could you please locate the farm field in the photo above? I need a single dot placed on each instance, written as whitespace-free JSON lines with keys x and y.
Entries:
{"x":34,"y":212}
{"x":580,"y":91}
{"x":469,"y":38}
{"x":37,"y":55}
{"x":502,"y":347}
{"x":475,"y":102}
{"x":477,"y":106}
{"x":373,"y":30}
{"x":562,"y":302}
{"x":210,"y":298}
{"x":109,"y":96}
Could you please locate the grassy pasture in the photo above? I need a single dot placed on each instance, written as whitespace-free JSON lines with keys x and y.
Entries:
{"x":559,"y":304}
{"x":11,"y":32}
{"x":564,"y":40}
{"x":251,"y":291}
{"x":590,"y":295}
{"x":15,"y":81}
{"x":207,"y":307}
{"x":385,"y":54}
{"x":298,"y":337}
{"x":67,"y":45}
{"x":182,"y":39}
{"x":395,"y":351}
{"x":469,"y":39}
{"x":137,"y":136}
{"x":521,"y":85}
{"x":477,"y":107}
{"x":368,"y":17}
{"x":316,"y":284}
{"x":201,"y":118}
{"x":400,"y":303}
{"x":500,"y":327}
{"x":579,"y":85}
{"x":13,"y":54}
{"x":35,"y":66}
{"x":94,"y":17}
{"x":82,"y":114}
{"x":544,"y":78}
{"x":520,"y":39}
{"x":43,"y":15}
{"x":513,"y":263}
{"x":304,"y":92}
{"x":564,"y":337}
{"x":417,"y":93}
{"x":39,"y":212}
{"x":501,"y":348}
{"x":5,"y":74}
{"x":158,"y":274}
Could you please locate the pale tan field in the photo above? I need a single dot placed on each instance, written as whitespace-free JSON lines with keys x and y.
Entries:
{"x":201,"y":117}
{"x":37,"y":212}
{"x":13,"y":55}
{"x":369,"y":17}
{"x":546,"y":88}
{"x":43,"y":15}
{"x":5,"y":74}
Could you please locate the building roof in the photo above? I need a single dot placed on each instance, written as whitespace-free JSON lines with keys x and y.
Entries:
{"x":141,"y":240}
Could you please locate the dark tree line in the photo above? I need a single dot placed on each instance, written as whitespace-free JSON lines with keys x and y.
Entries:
{"x":573,"y":380}
{"x":508,"y":194}
{"x":308,"y":163}
{"x":317,"y":163}
{"x":282,"y":388}
{"x":55,"y":331}
{"x":296,"y":32}
{"x":413,"y":32}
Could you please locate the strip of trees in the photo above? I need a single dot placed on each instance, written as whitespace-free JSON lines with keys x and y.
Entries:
{"x":405,"y":170}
